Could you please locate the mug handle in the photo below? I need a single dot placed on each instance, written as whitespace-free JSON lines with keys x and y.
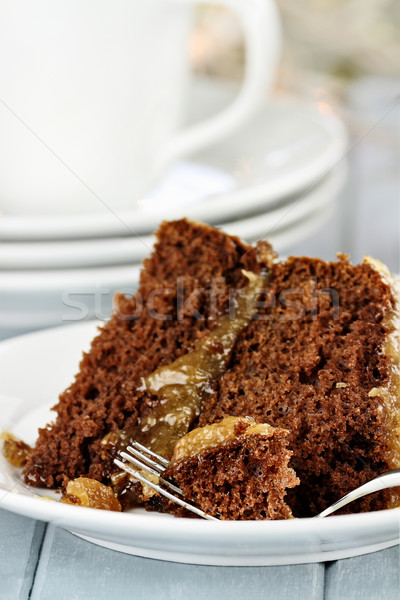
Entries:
{"x":262,"y":35}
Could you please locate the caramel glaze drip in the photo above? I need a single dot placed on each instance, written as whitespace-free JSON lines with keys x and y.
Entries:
{"x":182,"y":385}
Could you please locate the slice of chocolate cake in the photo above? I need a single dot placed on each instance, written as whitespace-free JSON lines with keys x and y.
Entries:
{"x":319,"y":358}
{"x":236,"y":469}
{"x":186,"y":286}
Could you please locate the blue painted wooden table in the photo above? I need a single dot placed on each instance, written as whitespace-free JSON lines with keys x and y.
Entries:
{"x":43,"y":562}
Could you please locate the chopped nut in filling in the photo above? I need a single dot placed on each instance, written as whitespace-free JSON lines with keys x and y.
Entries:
{"x":15,"y":451}
{"x":90,"y":493}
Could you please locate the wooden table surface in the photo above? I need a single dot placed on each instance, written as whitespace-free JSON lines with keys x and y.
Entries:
{"x":44,"y":562}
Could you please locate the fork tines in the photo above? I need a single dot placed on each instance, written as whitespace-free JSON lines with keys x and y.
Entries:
{"x":141,"y":451}
{"x":139,"y":456}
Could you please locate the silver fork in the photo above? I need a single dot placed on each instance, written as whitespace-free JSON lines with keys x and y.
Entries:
{"x":150,"y":462}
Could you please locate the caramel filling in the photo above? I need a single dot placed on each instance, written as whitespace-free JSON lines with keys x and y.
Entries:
{"x":182,"y":385}
{"x":217,"y":434}
{"x":390,"y":393}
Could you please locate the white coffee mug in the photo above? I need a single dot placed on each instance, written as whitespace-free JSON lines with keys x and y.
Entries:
{"x":92,"y":94}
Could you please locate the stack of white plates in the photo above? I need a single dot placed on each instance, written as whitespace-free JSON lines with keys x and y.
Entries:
{"x":276,"y":179}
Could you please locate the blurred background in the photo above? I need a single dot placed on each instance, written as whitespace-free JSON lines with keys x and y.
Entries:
{"x":346,"y":55}
{"x":315,"y":171}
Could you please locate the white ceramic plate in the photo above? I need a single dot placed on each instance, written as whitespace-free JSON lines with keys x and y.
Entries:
{"x":282,"y":151}
{"x":126,"y":250}
{"x":36,"y":367}
{"x":285,"y":228}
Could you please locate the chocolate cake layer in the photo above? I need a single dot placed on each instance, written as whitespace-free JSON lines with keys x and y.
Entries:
{"x":308,"y":363}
